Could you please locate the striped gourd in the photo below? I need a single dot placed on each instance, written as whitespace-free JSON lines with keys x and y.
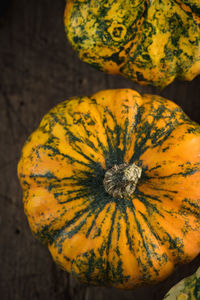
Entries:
{"x":150,"y":42}
{"x":111,"y":186}
{"x":186,"y":289}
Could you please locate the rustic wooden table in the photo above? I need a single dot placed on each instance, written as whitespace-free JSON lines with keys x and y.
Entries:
{"x":38,"y":70}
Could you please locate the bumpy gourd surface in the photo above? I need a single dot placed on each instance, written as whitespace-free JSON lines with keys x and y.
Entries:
{"x":151,"y":42}
{"x":186,"y":289}
{"x":105,"y":240}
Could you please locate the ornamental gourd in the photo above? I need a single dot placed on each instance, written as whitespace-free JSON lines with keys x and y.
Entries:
{"x":111,"y":186}
{"x":187,"y":289}
{"x":150,"y":42}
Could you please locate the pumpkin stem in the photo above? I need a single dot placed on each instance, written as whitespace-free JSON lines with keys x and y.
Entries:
{"x":120,"y":181}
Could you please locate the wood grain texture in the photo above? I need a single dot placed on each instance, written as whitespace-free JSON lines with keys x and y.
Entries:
{"x":38,"y":70}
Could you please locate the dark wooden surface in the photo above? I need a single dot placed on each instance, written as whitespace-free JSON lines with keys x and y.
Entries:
{"x":38,"y":70}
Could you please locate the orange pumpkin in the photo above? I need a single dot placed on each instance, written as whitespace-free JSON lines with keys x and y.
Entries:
{"x":150,"y":42}
{"x":111,"y":184}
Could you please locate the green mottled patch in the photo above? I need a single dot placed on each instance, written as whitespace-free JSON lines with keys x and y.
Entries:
{"x":150,"y":42}
{"x":187,"y":289}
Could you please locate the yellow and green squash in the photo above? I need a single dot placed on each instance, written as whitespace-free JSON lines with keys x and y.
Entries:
{"x":187,"y":289}
{"x":151,"y":42}
{"x":111,"y":185}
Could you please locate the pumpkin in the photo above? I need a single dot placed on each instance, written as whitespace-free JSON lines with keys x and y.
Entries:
{"x":150,"y":42}
{"x":111,"y":185}
{"x":187,"y":289}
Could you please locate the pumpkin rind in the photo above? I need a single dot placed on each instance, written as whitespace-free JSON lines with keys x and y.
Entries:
{"x":187,"y":289}
{"x":121,"y":242}
{"x":150,"y":42}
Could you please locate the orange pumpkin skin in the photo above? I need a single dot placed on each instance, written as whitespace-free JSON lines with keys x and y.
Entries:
{"x":149,"y":42}
{"x":100,"y":239}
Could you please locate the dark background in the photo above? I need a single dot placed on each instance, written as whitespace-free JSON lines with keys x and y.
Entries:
{"x":38,"y":69}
